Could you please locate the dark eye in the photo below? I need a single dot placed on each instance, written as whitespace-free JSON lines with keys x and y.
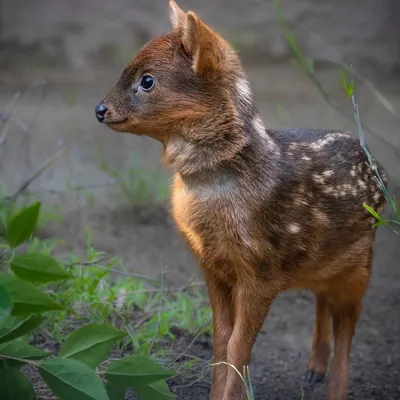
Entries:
{"x":147,"y":82}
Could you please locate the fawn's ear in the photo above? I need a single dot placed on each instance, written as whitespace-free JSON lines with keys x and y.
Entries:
{"x":176,"y":15}
{"x":201,"y":43}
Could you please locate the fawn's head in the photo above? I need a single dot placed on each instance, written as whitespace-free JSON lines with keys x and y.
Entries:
{"x":182,"y":89}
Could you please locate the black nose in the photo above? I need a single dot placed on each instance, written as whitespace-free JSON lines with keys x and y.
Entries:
{"x":101,"y":110}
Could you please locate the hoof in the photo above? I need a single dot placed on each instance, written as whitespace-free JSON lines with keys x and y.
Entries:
{"x":312,"y":376}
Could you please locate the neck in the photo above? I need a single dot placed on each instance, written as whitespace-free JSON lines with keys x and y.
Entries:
{"x":223,"y":143}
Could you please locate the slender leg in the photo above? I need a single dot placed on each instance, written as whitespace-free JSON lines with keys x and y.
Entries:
{"x":345,"y":306}
{"x":251,"y":307}
{"x":344,"y":323}
{"x":223,"y":318}
{"x":320,"y":350}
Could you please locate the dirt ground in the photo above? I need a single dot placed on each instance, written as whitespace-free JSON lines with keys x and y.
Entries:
{"x":281,"y":351}
{"x":62,"y":113}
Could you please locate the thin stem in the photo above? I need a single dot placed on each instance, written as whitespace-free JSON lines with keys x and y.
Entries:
{"x":20,"y":359}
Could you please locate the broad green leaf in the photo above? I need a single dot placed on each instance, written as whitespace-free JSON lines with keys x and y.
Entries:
{"x":26,"y":297}
{"x":115,"y":392}
{"x":5,"y":303}
{"x":14,"y":385}
{"x":155,"y":391}
{"x":14,"y":327}
{"x":22,"y":225}
{"x":135,"y":369}
{"x":20,"y":349}
{"x":38,"y":267}
{"x":91,"y":343}
{"x":72,"y":380}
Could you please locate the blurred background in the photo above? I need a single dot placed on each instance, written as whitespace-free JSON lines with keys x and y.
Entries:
{"x":58,"y":58}
{"x":62,"y":56}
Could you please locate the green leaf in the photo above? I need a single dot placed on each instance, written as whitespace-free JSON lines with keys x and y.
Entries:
{"x":379,"y":223}
{"x":20,"y":349}
{"x":310,"y":66}
{"x":14,"y":385}
{"x":351,"y":89}
{"x":372,"y":212}
{"x":115,"y":392}
{"x":134,"y":370}
{"x":143,"y":350}
{"x":26,"y":297}
{"x":344,"y":80}
{"x":155,"y":391}
{"x":38,"y":267}
{"x":91,"y":343}
{"x":14,"y":327}
{"x":5,"y":303}
{"x":21,"y":226}
{"x":72,"y":380}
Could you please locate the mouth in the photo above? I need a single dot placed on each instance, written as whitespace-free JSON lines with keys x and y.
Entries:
{"x":115,"y":122}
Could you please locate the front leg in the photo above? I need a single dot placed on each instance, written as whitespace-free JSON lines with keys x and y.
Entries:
{"x":220,"y":295}
{"x":253,"y":299}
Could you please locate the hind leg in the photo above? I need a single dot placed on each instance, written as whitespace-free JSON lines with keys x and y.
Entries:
{"x":320,"y":350}
{"x":345,"y":308}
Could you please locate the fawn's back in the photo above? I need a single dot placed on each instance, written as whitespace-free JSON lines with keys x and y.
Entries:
{"x":262,"y":210}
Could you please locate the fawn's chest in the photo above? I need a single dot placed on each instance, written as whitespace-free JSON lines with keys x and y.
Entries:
{"x":218,"y":228}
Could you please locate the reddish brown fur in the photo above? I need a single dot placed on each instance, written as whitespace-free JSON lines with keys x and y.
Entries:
{"x":263,"y":211}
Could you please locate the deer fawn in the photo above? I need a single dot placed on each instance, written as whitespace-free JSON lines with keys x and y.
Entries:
{"x":262,"y":210}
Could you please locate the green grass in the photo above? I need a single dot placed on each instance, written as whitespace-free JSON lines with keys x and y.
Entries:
{"x":102,"y":290}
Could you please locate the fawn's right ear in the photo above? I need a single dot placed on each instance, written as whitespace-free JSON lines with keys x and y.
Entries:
{"x":202,"y":44}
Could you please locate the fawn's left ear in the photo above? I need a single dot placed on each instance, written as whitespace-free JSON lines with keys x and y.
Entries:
{"x":176,"y":15}
{"x":202,"y":44}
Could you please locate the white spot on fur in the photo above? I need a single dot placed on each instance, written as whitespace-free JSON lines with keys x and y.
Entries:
{"x":321,"y":143}
{"x":320,"y":216}
{"x":299,"y":201}
{"x":377,"y":196}
{"x":294,"y":228}
{"x":328,"y":172}
{"x":318,"y":179}
{"x":244,"y":91}
{"x":362,"y":184}
{"x":305,"y":158}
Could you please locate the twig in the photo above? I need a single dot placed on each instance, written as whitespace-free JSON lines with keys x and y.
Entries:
{"x":79,"y":187}
{"x":6,"y":117}
{"x":170,"y":290}
{"x":36,"y":173}
{"x":97,"y":265}
{"x":207,"y":366}
{"x":192,"y":342}
{"x":161,"y":306}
